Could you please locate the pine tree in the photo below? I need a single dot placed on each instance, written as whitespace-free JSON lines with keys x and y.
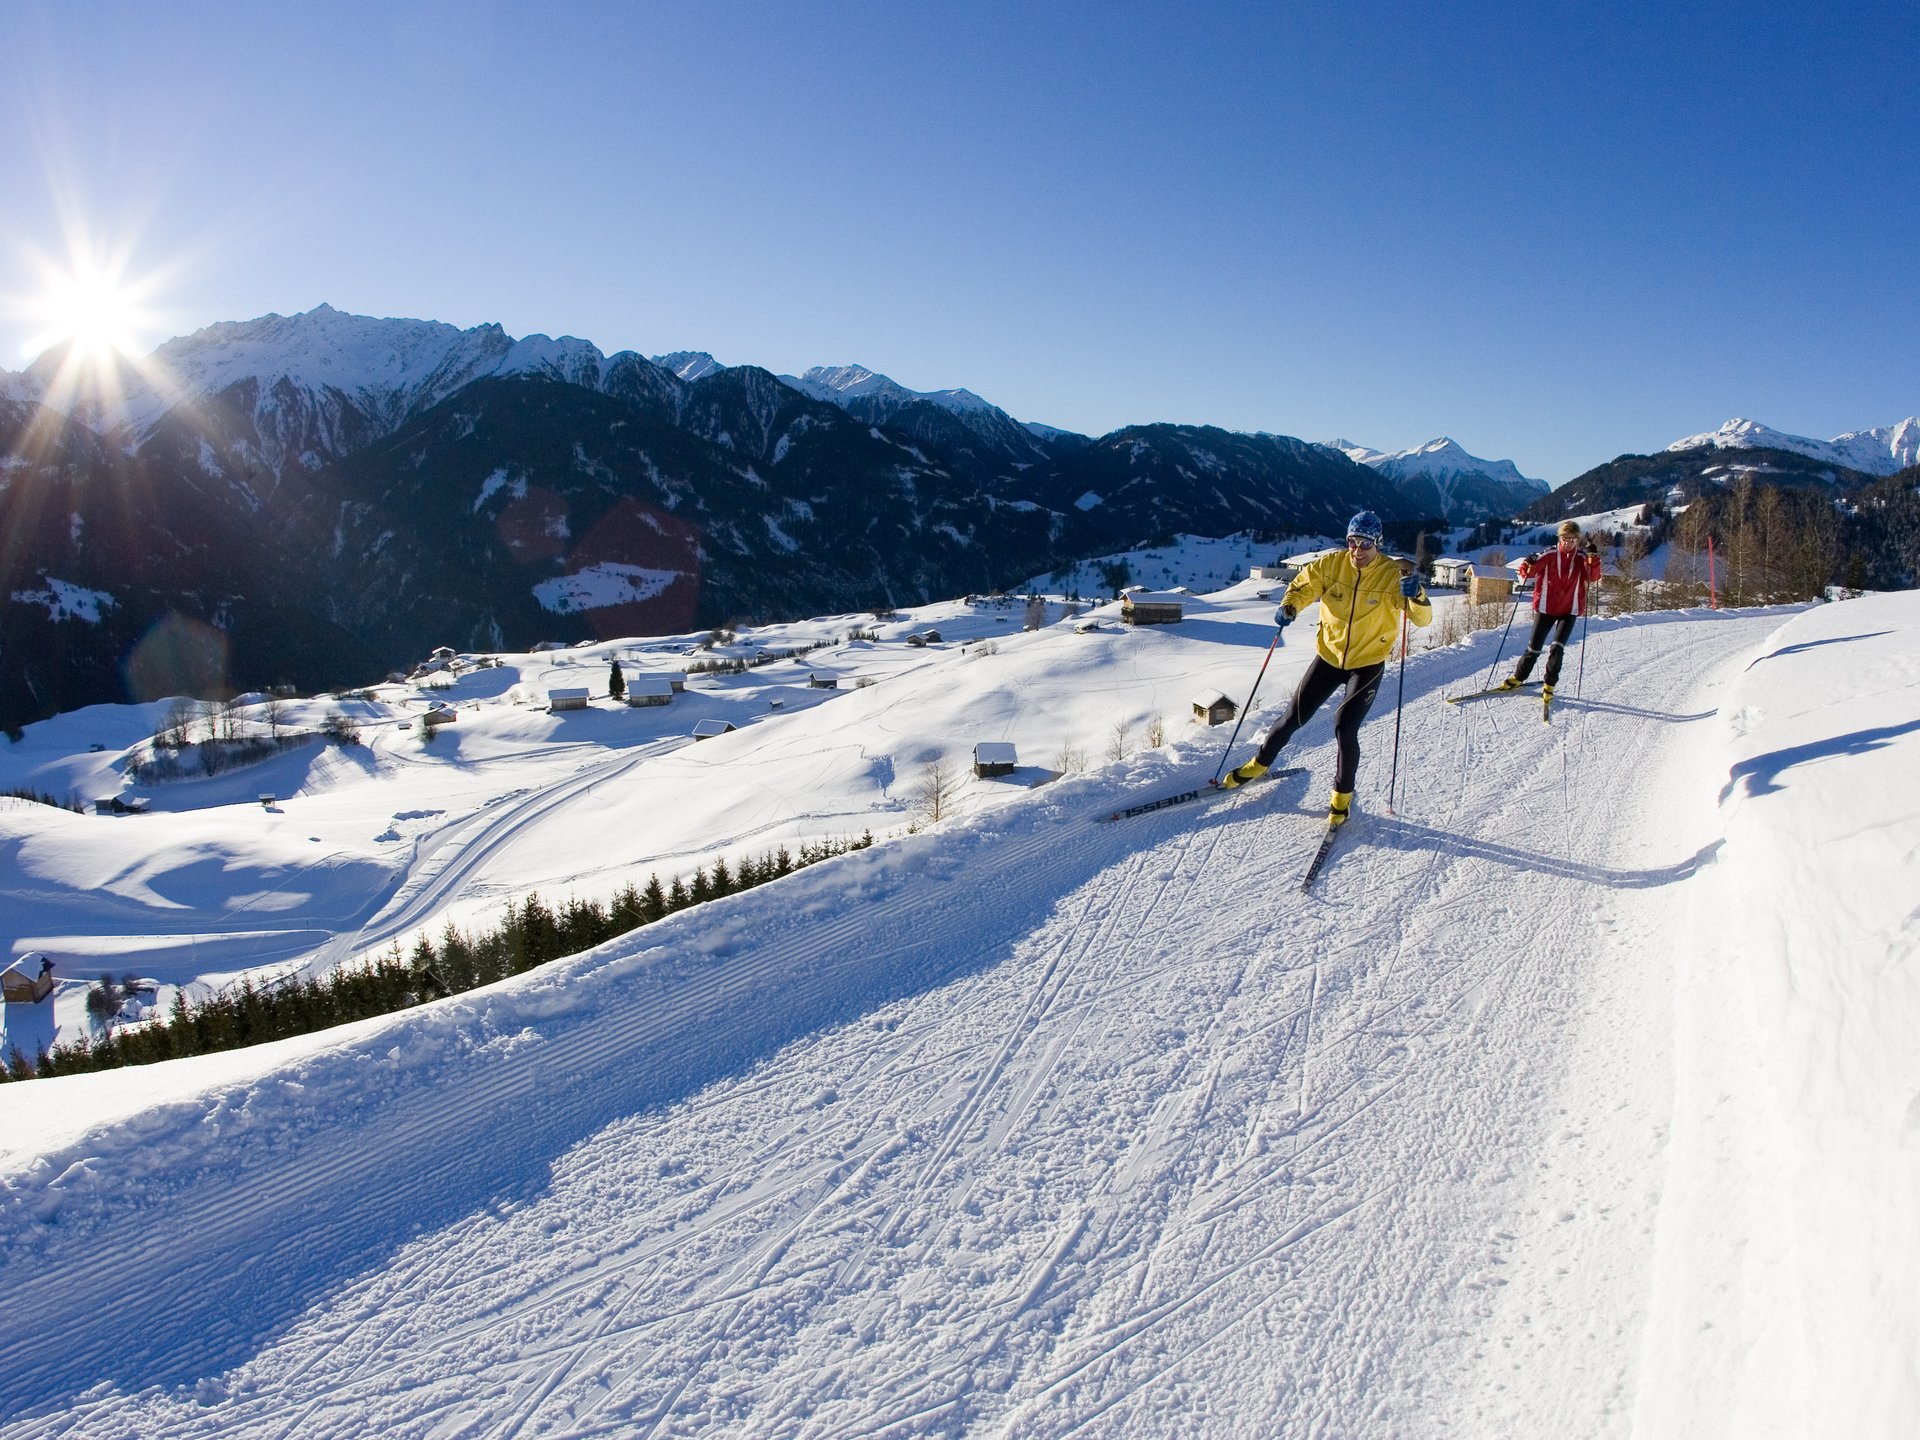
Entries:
{"x":616,"y":682}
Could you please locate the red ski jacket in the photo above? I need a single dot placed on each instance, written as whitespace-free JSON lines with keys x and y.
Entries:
{"x":1561,"y":578}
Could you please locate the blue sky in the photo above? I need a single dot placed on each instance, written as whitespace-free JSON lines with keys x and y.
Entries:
{"x":1556,"y":233}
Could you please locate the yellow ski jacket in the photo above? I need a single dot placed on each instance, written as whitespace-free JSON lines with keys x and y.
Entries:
{"x":1359,"y":609}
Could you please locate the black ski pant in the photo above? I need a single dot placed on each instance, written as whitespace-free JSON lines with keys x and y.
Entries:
{"x":1319,"y":682}
{"x":1562,"y":627}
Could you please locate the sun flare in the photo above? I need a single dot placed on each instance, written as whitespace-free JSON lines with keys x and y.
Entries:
{"x":90,"y":312}
{"x":89,"y":318}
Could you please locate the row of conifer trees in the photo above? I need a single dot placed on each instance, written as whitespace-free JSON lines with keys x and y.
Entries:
{"x":532,"y":933}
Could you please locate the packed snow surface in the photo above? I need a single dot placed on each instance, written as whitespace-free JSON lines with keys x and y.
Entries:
{"x":1578,"y":1098}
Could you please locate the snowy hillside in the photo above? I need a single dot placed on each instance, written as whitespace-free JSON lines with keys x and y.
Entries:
{"x":1573,"y":1101}
{"x":1883,"y":450}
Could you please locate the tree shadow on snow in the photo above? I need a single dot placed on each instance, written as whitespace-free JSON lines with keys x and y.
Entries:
{"x":1815,"y":645}
{"x":1760,"y":775}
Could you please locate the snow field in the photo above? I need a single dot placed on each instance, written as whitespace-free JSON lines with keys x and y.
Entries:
{"x":1022,"y":1126}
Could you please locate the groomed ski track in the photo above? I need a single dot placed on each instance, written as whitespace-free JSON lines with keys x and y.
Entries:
{"x":1023,"y":1127}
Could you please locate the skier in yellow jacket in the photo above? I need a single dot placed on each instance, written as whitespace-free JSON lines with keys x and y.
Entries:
{"x":1361,"y":600}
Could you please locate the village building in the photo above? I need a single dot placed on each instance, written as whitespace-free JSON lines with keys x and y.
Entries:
{"x":707,"y":729}
{"x":570,"y":698}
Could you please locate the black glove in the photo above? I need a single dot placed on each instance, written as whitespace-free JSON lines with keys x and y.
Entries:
{"x":1410,"y":585}
{"x":1282,"y":618}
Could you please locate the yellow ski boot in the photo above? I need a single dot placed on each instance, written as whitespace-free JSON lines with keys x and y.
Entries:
{"x":1340,"y":809}
{"x":1252,"y":770}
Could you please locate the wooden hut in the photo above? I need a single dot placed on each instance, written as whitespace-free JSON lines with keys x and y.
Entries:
{"x":650,"y":690}
{"x":19,"y":987}
{"x":1210,"y":707}
{"x":567,"y":699}
{"x":1489,"y":588}
{"x":994,"y":757}
{"x":1151,"y":607}
{"x":707,"y":729}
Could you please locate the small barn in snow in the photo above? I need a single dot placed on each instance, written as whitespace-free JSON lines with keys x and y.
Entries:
{"x":1210,"y":707}
{"x":649,"y":690}
{"x":707,"y":729}
{"x":567,"y":699}
{"x":1152,"y":607}
{"x":994,"y":757}
{"x":21,"y":987}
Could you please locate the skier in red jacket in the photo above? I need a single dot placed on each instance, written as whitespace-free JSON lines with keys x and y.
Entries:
{"x":1561,"y":576}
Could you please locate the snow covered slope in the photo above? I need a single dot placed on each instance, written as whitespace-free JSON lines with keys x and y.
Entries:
{"x":1883,"y":450}
{"x":1027,"y":1126}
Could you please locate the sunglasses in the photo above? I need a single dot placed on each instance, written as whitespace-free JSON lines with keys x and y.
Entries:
{"x":1354,"y":542}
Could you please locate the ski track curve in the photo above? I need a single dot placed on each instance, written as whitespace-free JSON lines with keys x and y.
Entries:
{"x":1159,"y":1147}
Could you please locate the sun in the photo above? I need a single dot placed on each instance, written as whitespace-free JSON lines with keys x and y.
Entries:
{"x":88,"y":310}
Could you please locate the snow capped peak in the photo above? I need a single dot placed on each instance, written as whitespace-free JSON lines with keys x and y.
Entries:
{"x":1879,"y":451}
{"x":689,"y":365}
{"x":840,"y":383}
{"x":363,"y":358}
{"x":1737,"y":433}
{"x":569,"y":358}
{"x":1359,"y":454}
{"x":1437,"y":459}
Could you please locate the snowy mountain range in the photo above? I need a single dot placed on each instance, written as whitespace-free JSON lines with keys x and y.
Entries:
{"x":1883,"y":450}
{"x":1444,"y":479}
{"x":318,"y":495}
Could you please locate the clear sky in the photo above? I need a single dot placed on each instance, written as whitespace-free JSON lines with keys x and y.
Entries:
{"x":1555,"y":232}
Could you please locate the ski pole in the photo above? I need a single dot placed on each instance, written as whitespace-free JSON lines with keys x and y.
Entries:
{"x":1500,"y":649}
{"x":1580,"y":675}
{"x":1393,"y":771}
{"x":1245,"y":709}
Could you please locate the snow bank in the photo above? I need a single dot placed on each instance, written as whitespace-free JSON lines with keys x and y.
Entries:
{"x":1788,"y":1261}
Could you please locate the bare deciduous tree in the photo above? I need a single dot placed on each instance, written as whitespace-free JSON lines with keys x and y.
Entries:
{"x":936,"y":794}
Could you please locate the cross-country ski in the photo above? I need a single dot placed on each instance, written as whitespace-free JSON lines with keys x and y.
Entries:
{"x":1491,"y":691}
{"x":1167,"y":801}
